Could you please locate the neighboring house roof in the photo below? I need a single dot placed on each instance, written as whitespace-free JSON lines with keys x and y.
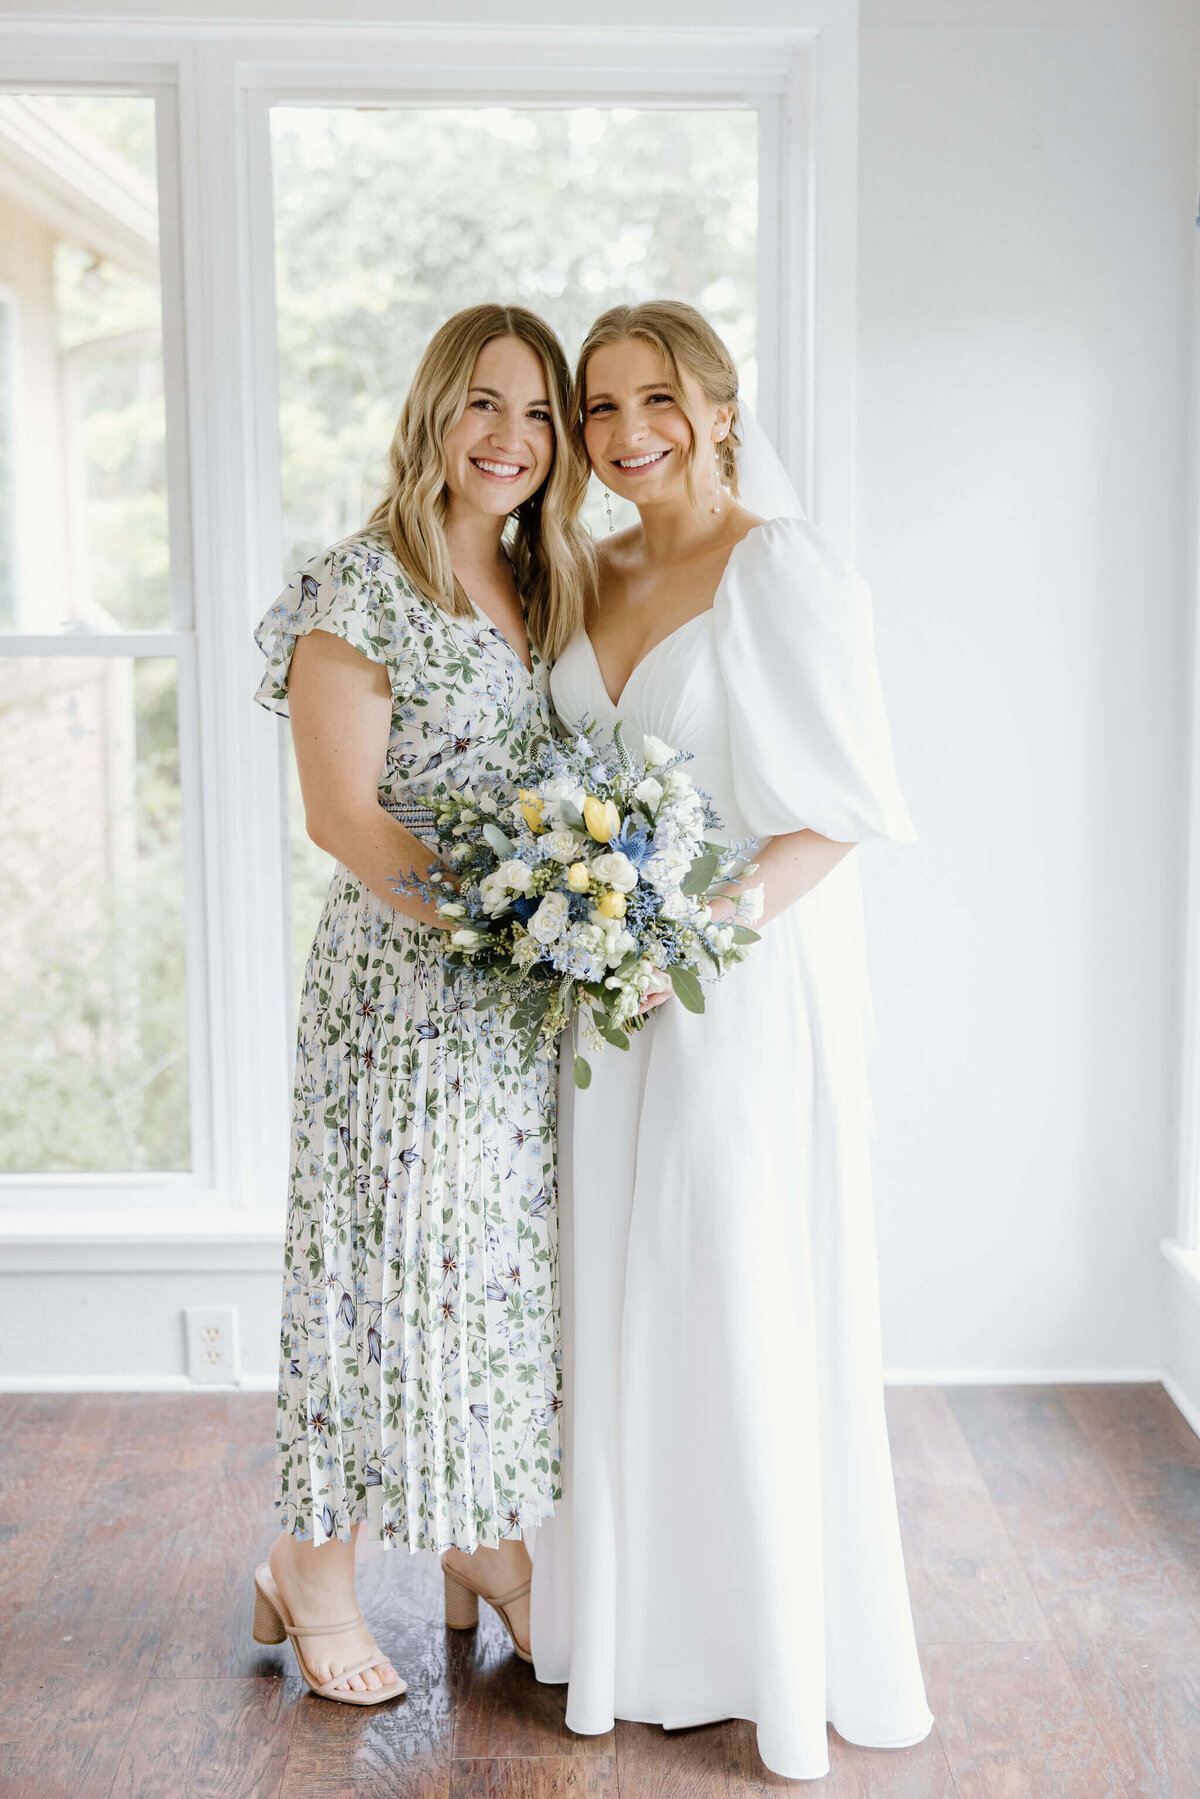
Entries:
{"x":88,"y":195}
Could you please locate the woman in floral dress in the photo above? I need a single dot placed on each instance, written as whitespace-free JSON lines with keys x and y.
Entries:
{"x":419,"y":1372}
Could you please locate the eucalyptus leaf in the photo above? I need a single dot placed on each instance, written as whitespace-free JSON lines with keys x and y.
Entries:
{"x":614,"y":1035}
{"x":583,"y":1072}
{"x":688,"y":990}
{"x":571,"y":815}
{"x":496,"y":840}
{"x":743,"y":934}
{"x":699,"y":876}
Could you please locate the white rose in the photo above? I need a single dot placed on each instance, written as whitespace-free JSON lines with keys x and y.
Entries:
{"x":517,"y":877}
{"x":656,"y":751}
{"x":495,"y":888}
{"x":616,"y":870}
{"x":468,"y":937}
{"x":549,"y":921}
{"x":493,"y":894}
{"x":649,"y":792}
{"x":562,"y":846}
{"x":562,"y":787}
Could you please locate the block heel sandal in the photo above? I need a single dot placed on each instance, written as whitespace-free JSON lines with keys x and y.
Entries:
{"x":462,"y":1605}
{"x":273,"y":1624}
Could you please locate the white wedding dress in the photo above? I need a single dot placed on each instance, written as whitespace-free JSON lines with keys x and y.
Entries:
{"x":729,"y":1545}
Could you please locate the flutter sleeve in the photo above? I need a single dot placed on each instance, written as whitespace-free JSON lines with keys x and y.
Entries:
{"x":354,"y":591}
{"x":809,"y":734}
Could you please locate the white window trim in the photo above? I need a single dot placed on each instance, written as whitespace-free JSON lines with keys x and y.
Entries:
{"x":1183,"y":1250}
{"x":219,"y":348}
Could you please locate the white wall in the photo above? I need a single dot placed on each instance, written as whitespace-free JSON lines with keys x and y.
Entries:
{"x":1025,"y":241}
{"x":1025,"y":233}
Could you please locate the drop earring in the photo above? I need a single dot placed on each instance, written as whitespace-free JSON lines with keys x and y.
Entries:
{"x":716,"y":500}
{"x":608,"y":507}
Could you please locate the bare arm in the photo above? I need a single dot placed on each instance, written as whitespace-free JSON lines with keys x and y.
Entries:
{"x":340,"y":704}
{"x":789,"y":867}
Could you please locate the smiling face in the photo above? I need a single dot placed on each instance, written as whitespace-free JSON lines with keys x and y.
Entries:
{"x":638,"y":436}
{"x":502,"y":448}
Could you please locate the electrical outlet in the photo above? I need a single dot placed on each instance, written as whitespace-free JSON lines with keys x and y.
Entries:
{"x":212,"y":1343}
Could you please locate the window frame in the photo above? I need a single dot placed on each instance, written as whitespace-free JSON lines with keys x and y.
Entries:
{"x":215,"y":85}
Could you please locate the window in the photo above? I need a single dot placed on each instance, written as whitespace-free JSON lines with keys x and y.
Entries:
{"x":93,"y":964}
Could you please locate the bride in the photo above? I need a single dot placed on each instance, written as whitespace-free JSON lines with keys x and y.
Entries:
{"x":730,"y":1545}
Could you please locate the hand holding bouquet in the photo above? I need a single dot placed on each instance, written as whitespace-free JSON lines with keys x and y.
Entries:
{"x":572,"y":900}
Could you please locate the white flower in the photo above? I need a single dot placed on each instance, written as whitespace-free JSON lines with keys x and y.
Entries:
{"x":554,"y":792}
{"x":618,"y":944}
{"x":649,"y":792}
{"x":496,"y":888}
{"x":562,"y":845}
{"x":525,"y":950}
{"x":750,"y":905}
{"x":719,"y":938}
{"x":676,"y":905}
{"x":487,"y":804}
{"x":615,"y":870}
{"x":452,"y":909}
{"x":467,"y":937}
{"x":549,"y":921}
{"x":666,"y":867}
{"x":563,"y":787}
{"x":590,"y":938}
{"x":656,"y":751}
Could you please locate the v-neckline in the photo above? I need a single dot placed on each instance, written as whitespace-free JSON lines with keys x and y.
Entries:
{"x":530,"y":667}
{"x":642,"y":660}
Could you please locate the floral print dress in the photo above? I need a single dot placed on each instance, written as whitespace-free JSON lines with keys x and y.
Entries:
{"x":419,"y":1379}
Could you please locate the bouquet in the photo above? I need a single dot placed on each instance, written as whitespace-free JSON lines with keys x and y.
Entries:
{"x":589,"y":889}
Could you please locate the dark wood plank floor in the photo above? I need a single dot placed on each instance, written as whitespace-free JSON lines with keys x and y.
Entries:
{"x":1052,"y":1537}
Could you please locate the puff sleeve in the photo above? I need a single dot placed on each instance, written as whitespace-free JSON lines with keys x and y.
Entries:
{"x":354,"y":591}
{"x":809,"y":735}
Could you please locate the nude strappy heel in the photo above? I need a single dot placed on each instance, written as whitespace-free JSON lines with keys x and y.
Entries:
{"x":462,"y":1605}
{"x":273,"y":1624}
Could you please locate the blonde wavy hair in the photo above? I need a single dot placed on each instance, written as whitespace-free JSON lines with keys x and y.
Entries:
{"x":550,"y":551}
{"x":685,"y":340}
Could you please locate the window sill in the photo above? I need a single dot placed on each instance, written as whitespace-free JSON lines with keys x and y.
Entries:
{"x":1187,"y":1261}
{"x":132,"y":1240}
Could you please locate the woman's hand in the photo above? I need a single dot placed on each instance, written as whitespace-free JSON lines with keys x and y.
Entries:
{"x":658,"y":994}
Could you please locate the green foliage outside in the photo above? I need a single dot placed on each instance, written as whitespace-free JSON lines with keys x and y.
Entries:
{"x":95,"y":1026}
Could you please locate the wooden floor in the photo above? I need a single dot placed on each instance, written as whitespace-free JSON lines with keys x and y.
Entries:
{"x":1052,"y":1538}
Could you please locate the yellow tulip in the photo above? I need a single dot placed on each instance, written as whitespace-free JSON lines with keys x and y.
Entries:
{"x":531,"y":807}
{"x":578,"y":877}
{"x":601,"y":818}
{"x":611,"y":904}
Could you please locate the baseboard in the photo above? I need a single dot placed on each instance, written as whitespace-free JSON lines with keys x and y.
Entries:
{"x":1018,"y":1377}
{"x":897,"y":1377}
{"x":132,"y":1383}
{"x":1182,"y":1401}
